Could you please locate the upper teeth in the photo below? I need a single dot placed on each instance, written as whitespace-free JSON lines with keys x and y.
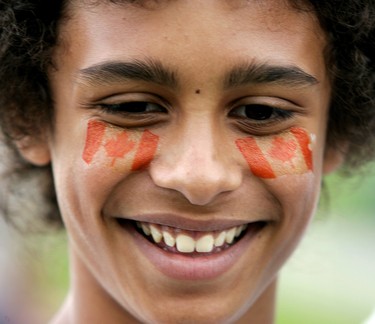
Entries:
{"x":185,"y":243}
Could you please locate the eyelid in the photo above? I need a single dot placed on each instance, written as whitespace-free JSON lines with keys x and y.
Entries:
{"x":120,"y":98}
{"x":101,"y":108}
{"x":283,"y":115}
{"x":281,"y":105}
{"x":274,"y":102}
{"x":121,"y":109}
{"x":105,"y":104}
{"x":281,"y":109}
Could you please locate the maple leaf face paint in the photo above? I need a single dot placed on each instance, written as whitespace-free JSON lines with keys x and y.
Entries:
{"x":273,"y":156}
{"x":119,"y":146}
{"x":128,"y":148}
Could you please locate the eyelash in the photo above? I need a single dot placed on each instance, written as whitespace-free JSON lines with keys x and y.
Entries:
{"x":261,"y":113}
{"x":278,"y":120}
{"x":121,"y":108}
{"x":266,"y":118}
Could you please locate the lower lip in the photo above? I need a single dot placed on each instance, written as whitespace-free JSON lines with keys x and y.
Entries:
{"x":187,"y":267}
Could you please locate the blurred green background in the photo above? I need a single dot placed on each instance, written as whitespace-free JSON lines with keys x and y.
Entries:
{"x":331,"y":277}
{"x":329,"y":280}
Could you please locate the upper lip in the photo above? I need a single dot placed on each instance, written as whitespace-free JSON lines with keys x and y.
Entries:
{"x":189,"y":224}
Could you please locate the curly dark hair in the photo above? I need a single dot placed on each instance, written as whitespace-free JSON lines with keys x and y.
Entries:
{"x":29,"y":33}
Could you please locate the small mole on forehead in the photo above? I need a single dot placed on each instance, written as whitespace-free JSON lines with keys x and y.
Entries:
{"x":198,"y":91}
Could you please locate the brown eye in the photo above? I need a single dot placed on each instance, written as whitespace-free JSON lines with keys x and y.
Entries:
{"x":259,"y":112}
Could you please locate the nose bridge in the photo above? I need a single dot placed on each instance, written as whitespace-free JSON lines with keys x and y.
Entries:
{"x":198,"y":163}
{"x":200,"y":155}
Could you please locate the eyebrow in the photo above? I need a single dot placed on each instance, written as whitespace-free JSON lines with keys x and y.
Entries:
{"x":117,"y":71}
{"x":153,"y":71}
{"x":252,"y":73}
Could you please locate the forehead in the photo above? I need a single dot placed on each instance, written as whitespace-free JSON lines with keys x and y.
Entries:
{"x":265,"y":9}
{"x":273,"y":15}
{"x":269,"y":7}
{"x":208,"y":34}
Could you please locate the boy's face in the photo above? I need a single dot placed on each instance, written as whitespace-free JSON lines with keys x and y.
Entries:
{"x":197,"y":117}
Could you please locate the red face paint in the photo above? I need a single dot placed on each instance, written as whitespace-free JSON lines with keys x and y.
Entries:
{"x":273,"y":156}
{"x":119,"y":145}
{"x":283,"y":150}
{"x":146,"y":150}
{"x":94,"y":138}
{"x":304,"y":142}
{"x":256,"y":160}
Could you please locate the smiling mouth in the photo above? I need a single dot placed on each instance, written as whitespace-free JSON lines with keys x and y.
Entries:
{"x":193,"y":243}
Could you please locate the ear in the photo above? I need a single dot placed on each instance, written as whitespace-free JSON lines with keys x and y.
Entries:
{"x":34,"y":150}
{"x":334,"y":157}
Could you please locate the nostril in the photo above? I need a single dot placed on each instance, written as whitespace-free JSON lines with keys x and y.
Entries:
{"x":198,"y":191}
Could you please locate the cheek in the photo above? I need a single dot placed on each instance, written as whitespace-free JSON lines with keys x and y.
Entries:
{"x":119,"y":148}
{"x":269,"y":157}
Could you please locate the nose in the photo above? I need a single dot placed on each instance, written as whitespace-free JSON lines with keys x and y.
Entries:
{"x":198,"y":163}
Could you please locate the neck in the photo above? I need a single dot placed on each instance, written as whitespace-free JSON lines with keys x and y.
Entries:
{"x":263,"y":310}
